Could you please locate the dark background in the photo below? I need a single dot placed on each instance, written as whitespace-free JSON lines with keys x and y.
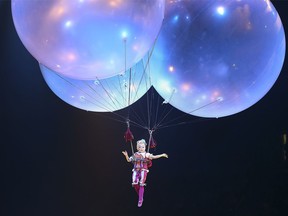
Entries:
{"x":60,"y":160}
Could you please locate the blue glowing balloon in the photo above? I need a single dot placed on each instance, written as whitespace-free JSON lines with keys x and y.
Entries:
{"x":100,"y":95}
{"x":215,"y":58}
{"x":88,"y":39}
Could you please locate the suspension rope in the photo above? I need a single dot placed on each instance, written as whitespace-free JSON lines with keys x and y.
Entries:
{"x":205,"y":105}
{"x":86,"y":93}
{"x":129,"y":136}
{"x":150,"y":139}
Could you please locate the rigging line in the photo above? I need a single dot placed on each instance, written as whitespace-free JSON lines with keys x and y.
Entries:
{"x":136,"y":124}
{"x":119,"y":87}
{"x":110,"y":96}
{"x":104,"y":107}
{"x":149,"y":106}
{"x":205,"y":105}
{"x":123,"y":119}
{"x":152,"y":98}
{"x":119,"y":81}
{"x":128,"y":128}
{"x":148,"y":63}
{"x":132,"y":149}
{"x":129,"y":91}
{"x":77,"y":87}
{"x":134,"y":85}
{"x":142,"y":78}
{"x":184,"y":123}
{"x":114,"y":119}
{"x":157,"y":111}
{"x":163,"y":113}
{"x":129,"y":87}
{"x":150,"y":138}
{"x":164,"y":117}
{"x":148,"y":110}
{"x":138,"y":117}
{"x":121,"y":92}
{"x":125,"y":68}
{"x":115,"y":87}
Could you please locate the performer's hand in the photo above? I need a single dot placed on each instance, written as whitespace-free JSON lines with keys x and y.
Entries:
{"x":125,"y":153}
{"x":165,"y":155}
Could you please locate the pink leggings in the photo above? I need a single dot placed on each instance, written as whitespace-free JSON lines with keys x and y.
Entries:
{"x":138,"y":182}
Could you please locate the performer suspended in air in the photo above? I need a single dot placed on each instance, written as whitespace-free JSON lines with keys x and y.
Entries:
{"x":141,"y":160}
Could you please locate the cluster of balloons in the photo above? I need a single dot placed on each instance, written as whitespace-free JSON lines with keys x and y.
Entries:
{"x":210,"y":58}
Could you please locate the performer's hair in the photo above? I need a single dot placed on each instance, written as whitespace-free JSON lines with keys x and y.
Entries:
{"x":141,"y":141}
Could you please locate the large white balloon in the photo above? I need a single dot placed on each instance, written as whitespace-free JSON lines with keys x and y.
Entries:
{"x":105,"y":95}
{"x":88,"y":39}
{"x":215,"y":58}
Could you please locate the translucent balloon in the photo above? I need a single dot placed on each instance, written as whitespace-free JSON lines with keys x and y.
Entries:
{"x":88,"y":39}
{"x":215,"y":58}
{"x":105,"y":95}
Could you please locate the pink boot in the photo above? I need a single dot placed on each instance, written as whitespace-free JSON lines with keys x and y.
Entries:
{"x":141,"y":194}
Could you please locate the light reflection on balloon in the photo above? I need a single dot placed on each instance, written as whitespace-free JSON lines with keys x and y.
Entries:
{"x":216,"y":58}
{"x":88,"y":39}
{"x":101,"y":95}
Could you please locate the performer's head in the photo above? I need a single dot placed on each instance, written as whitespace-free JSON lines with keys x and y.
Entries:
{"x":141,"y":145}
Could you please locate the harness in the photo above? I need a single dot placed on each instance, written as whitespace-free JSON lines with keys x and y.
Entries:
{"x":140,"y":162}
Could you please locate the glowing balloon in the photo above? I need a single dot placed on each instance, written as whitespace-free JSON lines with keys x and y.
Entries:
{"x":215,"y":58}
{"x":105,"y":95}
{"x":88,"y":39}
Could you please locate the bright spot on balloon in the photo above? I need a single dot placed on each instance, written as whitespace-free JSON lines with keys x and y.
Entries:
{"x":175,"y":18}
{"x":248,"y":26}
{"x":135,"y":47}
{"x":56,"y":12}
{"x":220,"y":10}
{"x":68,"y":24}
{"x":58,"y":66}
{"x":111,"y":62}
{"x":113,"y":3}
{"x":215,"y":93}
{"x":71,"y":57}
{"x":171,"y":69}
{"x":214,"y":96}
{"x":96,"y":82}
{"x":185,"y":86}
{"x":203,"y":97}
{"x":124,"y":35}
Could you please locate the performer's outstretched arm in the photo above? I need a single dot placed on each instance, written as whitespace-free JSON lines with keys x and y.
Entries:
{"x":126,"y":156}
{"x":158,"y":156}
